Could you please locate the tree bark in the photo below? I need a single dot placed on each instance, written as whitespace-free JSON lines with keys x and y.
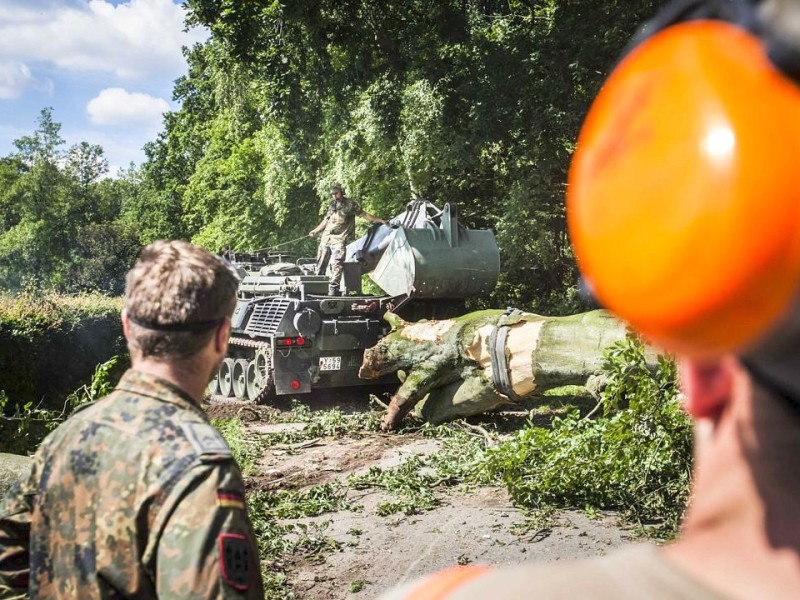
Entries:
{"x":450,"y":361}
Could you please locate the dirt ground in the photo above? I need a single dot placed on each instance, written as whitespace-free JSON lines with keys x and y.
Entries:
{"x":477,"y":525}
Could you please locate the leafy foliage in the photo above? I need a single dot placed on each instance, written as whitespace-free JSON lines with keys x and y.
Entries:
{"x":328,"y":423}
{"x":60,"y":222}
{"x":34,"y":310}
{"x":103,"y":381}
{"x":415,"y":483}
{"x":277,"y":540}
{"x":476,"y":103}
{"x":412,"y":486}
{"x":274,"y":513}
{"x":244,"y":450}
{"x":636,"y":457}
{"x":290,"y":504}
{"x":39,"y":330}
{"x":464,"y":101}
{"x":24,"y":426}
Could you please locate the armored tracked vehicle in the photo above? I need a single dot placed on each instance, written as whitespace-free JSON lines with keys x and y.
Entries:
{"x":290,"y":337}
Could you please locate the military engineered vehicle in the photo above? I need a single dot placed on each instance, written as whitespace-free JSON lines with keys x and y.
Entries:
{"x":290,"y":337}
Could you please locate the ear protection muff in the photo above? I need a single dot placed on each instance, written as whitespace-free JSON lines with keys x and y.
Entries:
{"x":683,"y":197}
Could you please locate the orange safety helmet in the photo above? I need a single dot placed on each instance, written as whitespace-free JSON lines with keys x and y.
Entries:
{"x":683,"y":200}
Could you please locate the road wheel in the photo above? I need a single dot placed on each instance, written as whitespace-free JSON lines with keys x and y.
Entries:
{"x":226,"y":378}
{"x":239,"y":378}
{"x":255,"y":381}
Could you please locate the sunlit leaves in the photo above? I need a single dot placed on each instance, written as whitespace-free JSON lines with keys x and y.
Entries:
{"x":475,"y":103}
{"x":635,"y":456}
{"x":60,"y":217}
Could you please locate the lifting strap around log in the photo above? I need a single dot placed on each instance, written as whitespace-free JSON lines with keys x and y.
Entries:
{"x":497,"y":353}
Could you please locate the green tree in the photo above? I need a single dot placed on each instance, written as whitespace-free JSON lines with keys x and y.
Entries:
{"x":465,"y":101}
{"x":61,"y":224}
{"x":86,"y":163}
{"x":35,"y":245}
{"x":42,"y":146}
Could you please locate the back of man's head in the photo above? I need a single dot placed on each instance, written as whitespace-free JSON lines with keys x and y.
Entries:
{"x":683,"y":200}
{"x":683,"y":203}
{"x":175,"y":297}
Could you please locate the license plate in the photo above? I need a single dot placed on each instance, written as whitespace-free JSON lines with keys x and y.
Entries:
{"x":330,"y":363}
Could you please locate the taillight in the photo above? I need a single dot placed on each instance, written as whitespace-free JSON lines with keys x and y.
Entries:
{"x":290,"y":342}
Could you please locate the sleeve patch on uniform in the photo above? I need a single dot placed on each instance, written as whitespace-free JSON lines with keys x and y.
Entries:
{"x":205,"y":439}
{"x":234,"y":560}
{"x":230,"y":499}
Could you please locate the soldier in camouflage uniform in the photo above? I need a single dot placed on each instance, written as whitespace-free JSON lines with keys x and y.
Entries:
{"x":337,"y":227}
{"x":137,"y":495}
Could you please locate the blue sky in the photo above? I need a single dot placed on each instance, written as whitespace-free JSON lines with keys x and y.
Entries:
{"x":106,"y":67}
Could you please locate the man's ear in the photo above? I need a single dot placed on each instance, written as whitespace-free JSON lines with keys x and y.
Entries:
{"x":221,"y":336}
{"x":126,"y":323}
{"x":708,"y":386}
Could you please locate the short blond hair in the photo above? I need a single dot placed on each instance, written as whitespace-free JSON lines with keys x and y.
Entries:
{"x":173,"y":287}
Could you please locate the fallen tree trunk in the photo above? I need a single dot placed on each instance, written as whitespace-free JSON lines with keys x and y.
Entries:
{"x":452,"y":363}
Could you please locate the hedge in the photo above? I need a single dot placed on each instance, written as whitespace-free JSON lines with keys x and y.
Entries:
{"x":50,"y":344}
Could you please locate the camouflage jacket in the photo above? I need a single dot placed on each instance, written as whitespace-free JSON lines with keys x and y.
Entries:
{"x":340,"y":221}
{"x":136,"y":496}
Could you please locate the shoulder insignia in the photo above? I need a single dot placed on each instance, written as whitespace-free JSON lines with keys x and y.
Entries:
{"x":205,"y":439}
{"x":230,"y":499}
{"x":234,"y":560}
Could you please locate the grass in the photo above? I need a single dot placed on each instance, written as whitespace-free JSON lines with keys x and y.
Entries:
{"x":632,"y":455}
{"x":357,"y":586}
{"x":245,"y":450}
{"x":328,"y":423}
{"x":312,"y":502}
{"x":275,"y":514}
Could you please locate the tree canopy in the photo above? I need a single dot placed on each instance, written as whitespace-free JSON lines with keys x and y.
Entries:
{"x":60,"y":224}
{"x":471,"y":102}
{"x":476,"y":103}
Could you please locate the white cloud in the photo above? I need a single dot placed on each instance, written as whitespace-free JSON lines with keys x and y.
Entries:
{"x":16,"y":77}
{"x":116,"y":106}
{"x":135,"y":39}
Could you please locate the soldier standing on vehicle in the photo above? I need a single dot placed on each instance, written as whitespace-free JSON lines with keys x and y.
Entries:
{"x":137,"y":495}
{"x":337,"y":228}
{"x":684,"y":213}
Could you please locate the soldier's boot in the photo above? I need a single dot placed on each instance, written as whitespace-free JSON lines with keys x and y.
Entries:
{"x":333,"y":290}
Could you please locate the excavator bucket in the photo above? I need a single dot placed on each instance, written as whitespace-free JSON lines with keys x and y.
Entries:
{"x":437,"y":258}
